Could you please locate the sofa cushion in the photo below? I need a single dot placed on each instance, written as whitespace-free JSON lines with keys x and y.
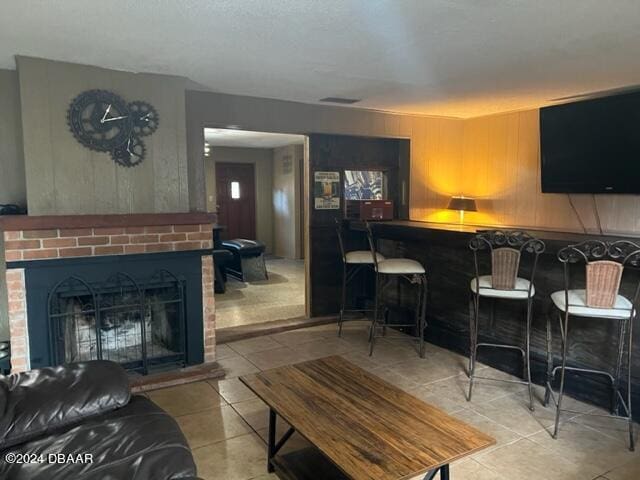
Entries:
{"x":137,"y":442}
{"x":47,"y":399}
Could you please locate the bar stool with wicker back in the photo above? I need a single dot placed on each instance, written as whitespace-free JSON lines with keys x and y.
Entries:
{"x":353,"y":263}
{"x":504,"y":283}
{"x":605,"y":264}
{"x":405,"y":268}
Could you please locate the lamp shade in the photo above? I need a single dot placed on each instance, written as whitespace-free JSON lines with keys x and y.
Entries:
{"x":463,"y":204}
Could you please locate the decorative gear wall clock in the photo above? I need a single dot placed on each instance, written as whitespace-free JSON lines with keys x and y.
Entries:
{"x":102,"y":121}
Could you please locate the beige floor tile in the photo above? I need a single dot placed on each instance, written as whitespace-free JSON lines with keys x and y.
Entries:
{"x":512,"y":411}
{"x":427,"y":370}
{"x":324,"y":348}
{"x":254,"y":412}
{"x":613,"y":427}
{"x":628,"y":471}
{"x":223,"y":351}
{"x":232,"y":390}
{"x":584,"y":445}
{"x":239,"y":458}
{"x":363,"y":361}
{"x":491,"y":386}
{"x":391,"y":354}
{"x":446,"y":403}
{"x":456,"y":390}
{"x":469,"y":469}
{"x":237,"y":366}
{"x":210,"y":426}
{"x":526,"y":460}
{"x":392,"y":377}
{"x":256,"y":344}
{"x":277,"y":357}
{"x":294,"y":338}
{"x":188,"y":398}
{"x":502,"y":435}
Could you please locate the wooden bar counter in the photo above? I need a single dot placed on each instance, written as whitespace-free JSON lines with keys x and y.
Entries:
{"x":443,"y":250}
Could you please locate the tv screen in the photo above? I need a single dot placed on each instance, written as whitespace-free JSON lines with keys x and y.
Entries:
{"x":592,"y":146}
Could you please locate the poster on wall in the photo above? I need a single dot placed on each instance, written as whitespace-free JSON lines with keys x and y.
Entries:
{"x":326,"y":190}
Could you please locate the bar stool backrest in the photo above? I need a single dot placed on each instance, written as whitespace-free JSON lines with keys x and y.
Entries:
{"x":605,"y":263}
{"x":372,"y":245}
{"x":506,"y":248}
{"x":340,"y":240}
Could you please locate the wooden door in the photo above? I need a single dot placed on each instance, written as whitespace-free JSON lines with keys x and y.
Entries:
{"x":236,"y":197}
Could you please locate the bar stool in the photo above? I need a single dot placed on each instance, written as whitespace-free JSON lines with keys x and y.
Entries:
{"x":504,"y":283}
{"x":604,"y":267}
{"x":410,"y":270}
{"x":353,"y":263}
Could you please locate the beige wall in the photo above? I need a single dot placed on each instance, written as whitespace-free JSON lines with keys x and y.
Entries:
{"x":12,"y":181}
{"x":287,"y":201}
{"x":262,"y":159}
{"x":63,"y":177}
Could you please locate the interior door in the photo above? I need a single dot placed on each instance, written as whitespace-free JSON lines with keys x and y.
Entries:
{"x":236,"y":197}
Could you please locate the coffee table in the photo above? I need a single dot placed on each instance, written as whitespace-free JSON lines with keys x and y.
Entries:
{"x":359,"y":426}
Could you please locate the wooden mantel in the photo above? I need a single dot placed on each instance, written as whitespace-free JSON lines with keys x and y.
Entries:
{"x":29,"y":222}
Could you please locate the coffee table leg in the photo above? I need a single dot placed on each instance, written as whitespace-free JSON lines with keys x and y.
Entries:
{"x":443,"y":470}
{"x":271,"y":447}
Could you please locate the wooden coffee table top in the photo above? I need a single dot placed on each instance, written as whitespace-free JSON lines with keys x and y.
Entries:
{"x":368,"y":428}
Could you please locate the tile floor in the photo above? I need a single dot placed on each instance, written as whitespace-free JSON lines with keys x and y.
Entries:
{"x":266,"y":300}
{"x":226,"y":424}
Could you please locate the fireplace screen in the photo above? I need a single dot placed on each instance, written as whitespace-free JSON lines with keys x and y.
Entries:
{"x":139,"y":325}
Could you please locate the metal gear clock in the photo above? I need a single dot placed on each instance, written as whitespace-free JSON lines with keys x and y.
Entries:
{"x":104,"y":122}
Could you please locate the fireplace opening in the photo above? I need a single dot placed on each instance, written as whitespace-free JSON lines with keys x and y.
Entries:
{"x":139,"y":324}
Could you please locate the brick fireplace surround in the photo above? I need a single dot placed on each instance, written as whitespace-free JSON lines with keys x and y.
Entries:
{"x":28,"y":238}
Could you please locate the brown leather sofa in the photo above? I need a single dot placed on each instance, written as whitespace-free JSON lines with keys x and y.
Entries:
{"x":79,"y":421}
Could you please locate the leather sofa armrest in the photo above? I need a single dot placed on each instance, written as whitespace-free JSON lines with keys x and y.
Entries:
{"x":44,"y":400}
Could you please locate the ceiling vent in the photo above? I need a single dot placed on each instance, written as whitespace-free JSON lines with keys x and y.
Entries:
{"x":340,"y":100}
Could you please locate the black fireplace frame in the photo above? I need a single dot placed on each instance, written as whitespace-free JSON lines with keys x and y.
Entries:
{"x":42,"y":275}
{"x":103,"y":300}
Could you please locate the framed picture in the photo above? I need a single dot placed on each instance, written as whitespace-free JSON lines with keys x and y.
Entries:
{"x":326,"y":190}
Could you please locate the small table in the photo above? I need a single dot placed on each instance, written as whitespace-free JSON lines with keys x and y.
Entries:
{"x":360,"y":427}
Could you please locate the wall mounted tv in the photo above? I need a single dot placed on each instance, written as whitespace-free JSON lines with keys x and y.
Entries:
{"x":591,"y":146}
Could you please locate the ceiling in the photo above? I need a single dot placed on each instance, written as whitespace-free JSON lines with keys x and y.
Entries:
{"x":458,"y":58}
{"x":221,"y":137}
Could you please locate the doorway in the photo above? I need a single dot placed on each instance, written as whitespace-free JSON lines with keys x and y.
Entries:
{"x":236,"y":200}
{"x":255,"y":182}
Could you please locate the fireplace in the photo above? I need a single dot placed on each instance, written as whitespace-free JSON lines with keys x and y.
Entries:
{"x":135,"y":289}
{"x":137,"y":323}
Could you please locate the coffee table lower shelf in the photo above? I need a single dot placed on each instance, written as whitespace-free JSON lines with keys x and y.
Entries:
{"x":306,"y":464}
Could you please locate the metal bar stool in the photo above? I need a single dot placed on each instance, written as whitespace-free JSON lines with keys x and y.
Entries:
{"x":410,"y":270}
{"x":504,"y":283}
{"x":604,"y":267}
{"x":353,"y":263}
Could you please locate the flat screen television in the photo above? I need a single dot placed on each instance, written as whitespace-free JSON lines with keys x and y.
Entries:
{"x":591,"y":146}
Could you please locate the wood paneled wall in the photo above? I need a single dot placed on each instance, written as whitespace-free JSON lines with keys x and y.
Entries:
{"x":63,"y":177}
{"x":430,"y":136}
{"x":12,"y":183}
{"x":494,"y":158}
{"x":497,"y":161}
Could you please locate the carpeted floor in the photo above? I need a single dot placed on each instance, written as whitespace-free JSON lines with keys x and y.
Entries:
{"x":281,"y":297}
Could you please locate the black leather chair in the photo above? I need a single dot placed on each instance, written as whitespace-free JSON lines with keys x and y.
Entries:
{"x":85,"y":411}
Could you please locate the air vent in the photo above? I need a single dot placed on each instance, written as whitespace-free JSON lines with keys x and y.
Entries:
{"x":340,"y":100}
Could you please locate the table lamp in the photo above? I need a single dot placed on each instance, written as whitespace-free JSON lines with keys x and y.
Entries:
{"x":462,"y":204}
